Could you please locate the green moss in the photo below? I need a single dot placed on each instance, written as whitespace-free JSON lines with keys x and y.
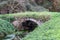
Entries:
{"x":48,"y":31}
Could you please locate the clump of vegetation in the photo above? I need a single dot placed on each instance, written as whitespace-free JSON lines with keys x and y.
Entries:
{"x":5,"y":28}
{"x":14,"y":6}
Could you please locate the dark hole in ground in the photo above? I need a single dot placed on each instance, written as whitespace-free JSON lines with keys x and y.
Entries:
{"x":29,"y":25}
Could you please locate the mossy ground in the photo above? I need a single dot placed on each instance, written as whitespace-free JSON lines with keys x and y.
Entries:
{"x":49,"y":30}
